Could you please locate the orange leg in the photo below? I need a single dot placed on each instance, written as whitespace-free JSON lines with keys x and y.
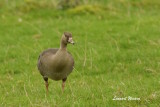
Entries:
{"x":46,"y":83}
{"x":63,"y":83}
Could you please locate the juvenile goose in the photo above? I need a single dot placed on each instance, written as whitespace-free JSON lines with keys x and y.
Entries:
{"x":56,"y":64}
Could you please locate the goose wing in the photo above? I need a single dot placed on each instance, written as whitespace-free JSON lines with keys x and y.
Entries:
{"x":48,"y":51}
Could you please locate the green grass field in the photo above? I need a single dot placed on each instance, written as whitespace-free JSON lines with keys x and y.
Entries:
{"x":117,"y":53}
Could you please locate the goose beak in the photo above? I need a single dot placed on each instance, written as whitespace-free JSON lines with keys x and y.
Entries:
{"x":72,"y":43}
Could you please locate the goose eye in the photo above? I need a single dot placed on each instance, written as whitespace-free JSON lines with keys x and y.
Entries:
{"x":66,"y":36}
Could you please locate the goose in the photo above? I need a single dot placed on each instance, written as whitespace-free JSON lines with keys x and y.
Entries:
{"x":55,"y":63}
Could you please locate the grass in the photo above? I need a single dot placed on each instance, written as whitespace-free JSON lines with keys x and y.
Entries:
{"x":117,"y":54}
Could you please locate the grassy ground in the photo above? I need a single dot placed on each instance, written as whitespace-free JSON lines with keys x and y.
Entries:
{"x":117,"y":53}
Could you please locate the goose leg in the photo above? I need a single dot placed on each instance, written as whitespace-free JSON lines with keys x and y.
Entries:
{"x":46,"y":83}
{"x":63,"y":83}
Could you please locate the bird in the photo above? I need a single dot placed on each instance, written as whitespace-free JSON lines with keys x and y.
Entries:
{"x":57,"y":63}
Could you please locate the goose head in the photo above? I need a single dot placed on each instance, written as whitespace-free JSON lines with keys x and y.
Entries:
{"x":67,"y":38}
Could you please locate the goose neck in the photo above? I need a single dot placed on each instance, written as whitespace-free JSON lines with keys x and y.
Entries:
{"x":63,"y":45}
